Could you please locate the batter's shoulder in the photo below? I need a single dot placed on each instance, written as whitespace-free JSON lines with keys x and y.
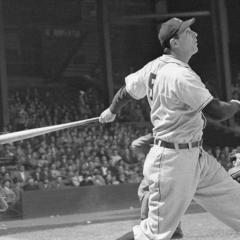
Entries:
{"x":179,"y":70}
{"x":172,"y":69}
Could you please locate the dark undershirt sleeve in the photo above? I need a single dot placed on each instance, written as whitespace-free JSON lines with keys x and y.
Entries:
{"x":220,"y":110}
{"x":120,"y":99}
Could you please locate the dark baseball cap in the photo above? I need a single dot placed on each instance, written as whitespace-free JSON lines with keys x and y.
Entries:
{"x":172,"y":27}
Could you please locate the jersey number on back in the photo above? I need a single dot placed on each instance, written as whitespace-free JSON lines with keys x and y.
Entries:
{"x":151,"y":80}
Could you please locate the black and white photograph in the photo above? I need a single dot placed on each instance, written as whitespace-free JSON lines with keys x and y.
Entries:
{"x":119,"y":119}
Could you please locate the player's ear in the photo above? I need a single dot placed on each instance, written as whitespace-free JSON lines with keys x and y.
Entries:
{"x":173,"y":43}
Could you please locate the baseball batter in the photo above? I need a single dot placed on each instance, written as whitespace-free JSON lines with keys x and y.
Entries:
{"x":177,"y":168}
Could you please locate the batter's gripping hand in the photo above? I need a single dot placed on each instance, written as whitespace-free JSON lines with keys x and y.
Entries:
{"x":107,"y":116}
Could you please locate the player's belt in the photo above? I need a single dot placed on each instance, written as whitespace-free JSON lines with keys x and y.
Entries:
{"x":165,"y":144}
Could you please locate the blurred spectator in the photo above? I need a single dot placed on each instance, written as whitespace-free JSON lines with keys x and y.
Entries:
{"x":45,"y":185}
{"x":58,"y":183}
{"x":54,"y":173}
{"x":37,"y":176}
{"x":17,"y":188}
{"x":30,"y":185}
{"x":21,"y":118}
{"x":7,"y":177}
{"x":115,"y":157}
{"x":114,"y":180}
{"x":10,"y":194}
{"x":108,"y":178}
{"x":87,"y":180}
{"x":104,"y":166}
{"x":21,"y":175}
{"x":72,"y":178}
{"x":45,"y":173}
{"x":98,"y":178}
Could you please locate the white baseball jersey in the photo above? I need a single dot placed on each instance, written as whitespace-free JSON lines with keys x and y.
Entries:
{"x":176,"y":96}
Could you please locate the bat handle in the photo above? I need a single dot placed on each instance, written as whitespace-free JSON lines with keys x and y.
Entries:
{"x":95,"y":119}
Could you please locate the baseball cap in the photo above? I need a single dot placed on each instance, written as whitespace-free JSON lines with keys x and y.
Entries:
{"x":171,"y":27}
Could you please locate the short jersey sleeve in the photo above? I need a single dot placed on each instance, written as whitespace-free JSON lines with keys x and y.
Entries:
{"x":192,"y":91}
{"x":135,"y":85}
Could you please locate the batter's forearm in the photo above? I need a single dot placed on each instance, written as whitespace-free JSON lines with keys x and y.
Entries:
{"x":220,"y":110}
{"x":120,"y":99}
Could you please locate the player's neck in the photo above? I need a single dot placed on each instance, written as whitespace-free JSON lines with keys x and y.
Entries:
{"x":180,"y":56}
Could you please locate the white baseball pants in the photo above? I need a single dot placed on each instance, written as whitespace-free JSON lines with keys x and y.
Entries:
{"x":176,"y":177}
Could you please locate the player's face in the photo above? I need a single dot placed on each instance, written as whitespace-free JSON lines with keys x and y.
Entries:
{"x":187,"y":42}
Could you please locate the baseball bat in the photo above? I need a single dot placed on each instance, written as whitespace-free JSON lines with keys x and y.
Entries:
{"x":29,"y":133}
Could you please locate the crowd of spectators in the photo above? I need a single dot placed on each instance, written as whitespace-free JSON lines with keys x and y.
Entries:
{"x":76,"y":157}
{"x":95,"y":155}
{"x":31,"y":108}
